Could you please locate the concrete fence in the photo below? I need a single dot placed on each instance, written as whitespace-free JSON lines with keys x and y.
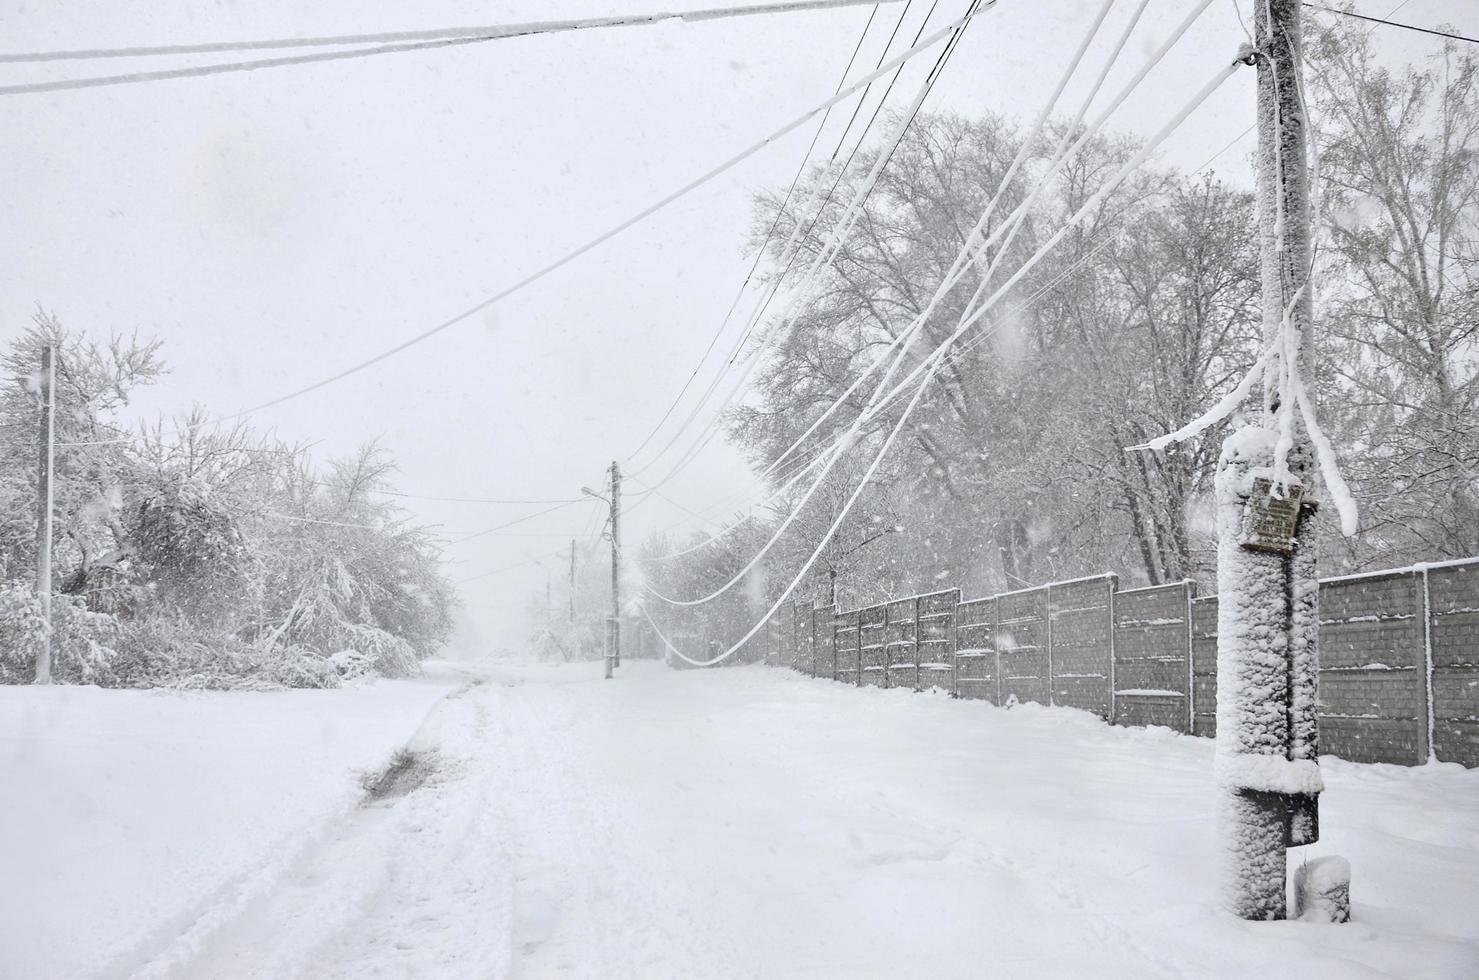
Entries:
{"x":1399,"y":655}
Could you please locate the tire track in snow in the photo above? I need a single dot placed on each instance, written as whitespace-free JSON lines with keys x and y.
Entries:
{"x":179,"y":944}
{"x":326,"y":890}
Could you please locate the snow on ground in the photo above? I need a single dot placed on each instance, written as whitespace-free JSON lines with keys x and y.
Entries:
{"x":754,"y":823}
{"x":133,"y":823}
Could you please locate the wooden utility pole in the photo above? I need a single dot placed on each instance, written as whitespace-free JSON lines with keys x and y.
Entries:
{"x":46,"y":461}
{"x":572,"y":580}
{"x":615,"y":565}
{"x":1267,"y":661}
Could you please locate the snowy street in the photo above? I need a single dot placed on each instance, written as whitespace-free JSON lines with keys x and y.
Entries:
{"x":740,"y":823}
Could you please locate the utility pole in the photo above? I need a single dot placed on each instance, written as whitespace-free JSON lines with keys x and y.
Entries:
{"x":572,"y":580}
{"x":47,"y":459}
{"x":615,"y":565}
{"x":1267,"y":661}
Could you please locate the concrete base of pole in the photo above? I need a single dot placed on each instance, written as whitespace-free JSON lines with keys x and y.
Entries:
{"x":1322,"y":890}
{"x":1254,"y":857}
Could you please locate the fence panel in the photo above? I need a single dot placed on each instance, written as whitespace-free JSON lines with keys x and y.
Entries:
{"x":1373,"y":681}
{"x":1204,"y":666}
{"x":900,"y":650}
{"x":1399,"y":655}
{"x":1152,"y":656}
{"x":935,"y":631}
{"x":1022,"y":642}
{"x":1453,"y":637}
{"x":803,"y":637}
{"x":872,"y":647}
{"x":975,"y":650}
{"x":1080,"y":638}
{"x":845,"y":633}
{"x":824,"y":655}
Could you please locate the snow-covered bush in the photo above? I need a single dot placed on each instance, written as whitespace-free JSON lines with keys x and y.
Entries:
{"x":352,"y":664}
{"x":22,"y":631}
{"x":196,"y":556}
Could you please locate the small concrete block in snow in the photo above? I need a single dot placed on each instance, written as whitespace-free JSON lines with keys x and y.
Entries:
{"x":1322,"y":890}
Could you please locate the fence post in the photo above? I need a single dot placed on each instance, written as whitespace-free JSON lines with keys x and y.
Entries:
{"x":1191,"y":673}
{"x":952,"y":646}
{"x":812,"y":618}
{"x":1047,"y":616}
{"x":1426,"y":750}
{"x":996,"y":642}
{"x":918,"y":671}
{"x":1112,"y":583}
{"x":832,"y":638}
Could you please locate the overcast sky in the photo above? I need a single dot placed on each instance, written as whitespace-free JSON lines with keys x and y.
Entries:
{"x":275,"y":227}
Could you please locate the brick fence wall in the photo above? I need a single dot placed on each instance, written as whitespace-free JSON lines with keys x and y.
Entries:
{"x":1399,"y":655}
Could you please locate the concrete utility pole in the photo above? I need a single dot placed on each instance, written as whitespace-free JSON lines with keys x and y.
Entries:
{"x":615,"y":565}
{"x":1267,"y":661}
{"x":47,"y":459}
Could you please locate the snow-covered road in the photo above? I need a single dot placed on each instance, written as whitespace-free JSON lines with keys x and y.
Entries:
{"x":754,"y":823}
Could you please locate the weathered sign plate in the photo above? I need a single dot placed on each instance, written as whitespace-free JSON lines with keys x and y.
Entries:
{"x":1269,"y":520}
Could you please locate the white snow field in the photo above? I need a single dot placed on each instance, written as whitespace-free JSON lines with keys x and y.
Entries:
{"x":743,"y":822}
{"x":133,"y":824}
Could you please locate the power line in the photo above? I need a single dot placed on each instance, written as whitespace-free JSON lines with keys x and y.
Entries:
{"x":903,"y":15}
{"x":828,"y":254}
{"x":1392,"y":23}
{"x":968,"y":317}
{"x":1059,"y":156}
{"x":333,"y":485}
{"x":313,"y":520}
{"x":1251,"y":126}
{"x":789,"y":253}
{"x":962,"y":260}
{"x":486,"y":32}
{"x":760,"y":253}
{"x":930,"y":365}
{"x":481,"y":500}
{"x":516,"y":521}
{"x":842,"y":171}
{"x":199,"y":71}
{"x":510,"y":568}
{"x":607,"y":235}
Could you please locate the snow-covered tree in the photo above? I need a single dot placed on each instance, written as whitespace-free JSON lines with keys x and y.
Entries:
{"x":1399,"y":165}
{"x":200,"y":555}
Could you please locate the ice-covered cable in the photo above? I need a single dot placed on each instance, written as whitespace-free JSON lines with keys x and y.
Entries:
{"x":824,"y":257}
{"x":809,"y":464}
{"x":962,"y":260}
{"x":482,"y":32}
{"x":519,"y":520}
{"x":1225,"y":406}
{"x":924,"y":44}
{"x":790,"y":253}
{"x":760,"y":252}
{"x":821,"y":545}
{"x":201,"y":71}
{"x":1059,"y":159}
{"x":931,"y":365}
{"x":1066,"y":146}
{"x":1340,"y":492}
